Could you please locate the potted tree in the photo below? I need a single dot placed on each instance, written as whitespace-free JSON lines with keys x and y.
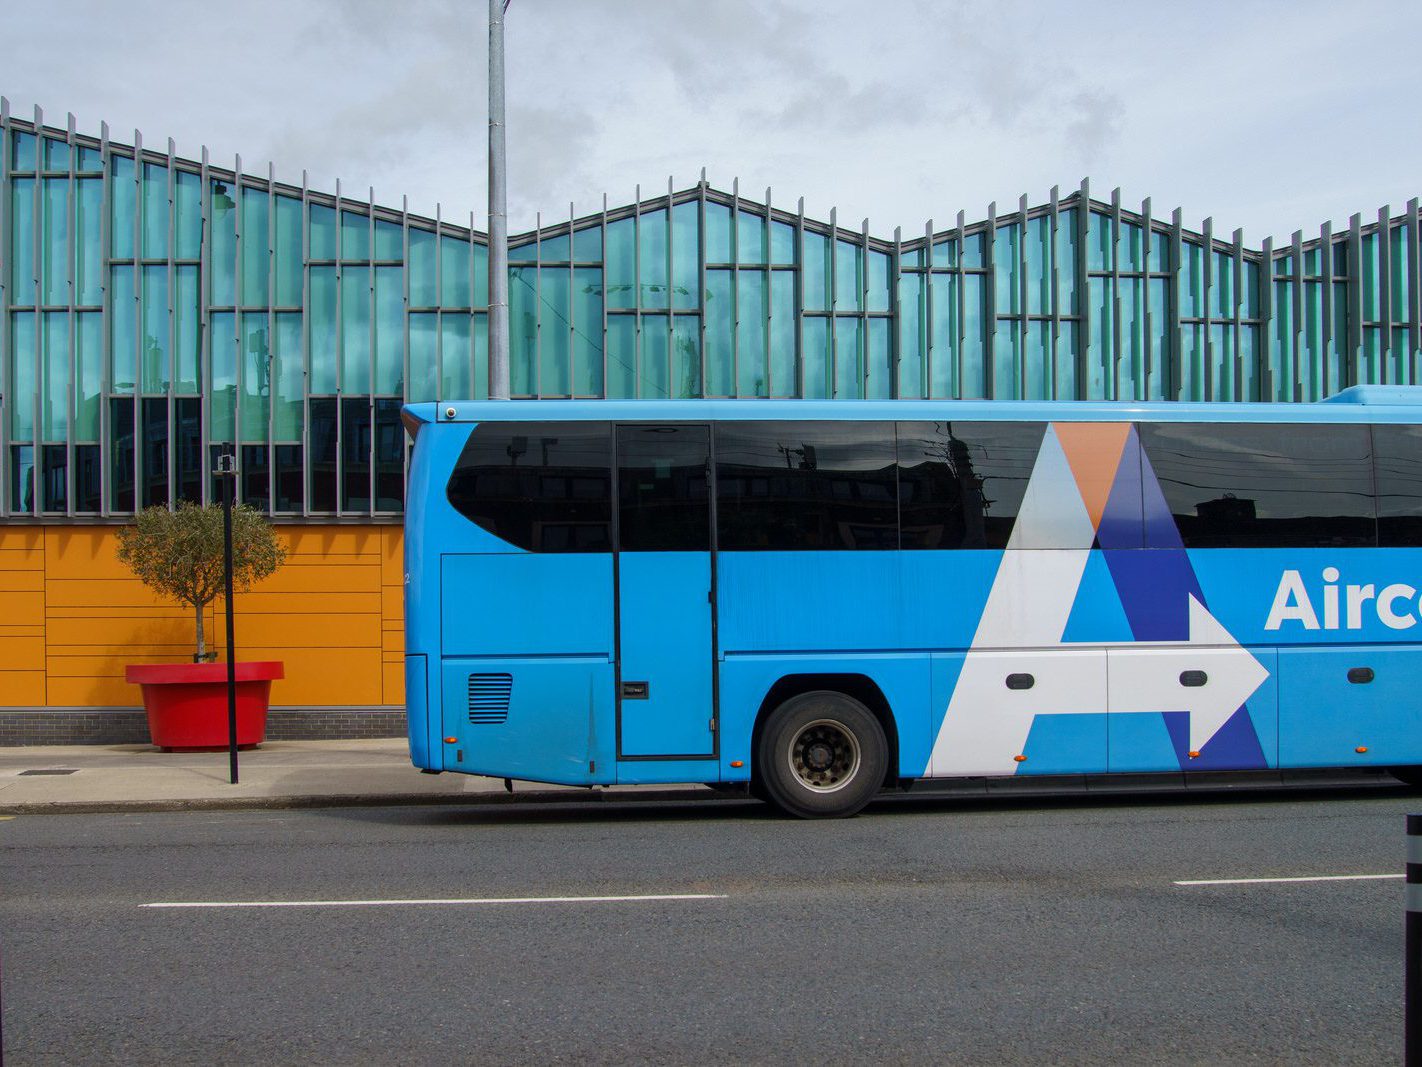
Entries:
{"x":178,"y":554}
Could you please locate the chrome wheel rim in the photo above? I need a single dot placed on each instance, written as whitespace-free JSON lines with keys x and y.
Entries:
{"x":824,"y":756}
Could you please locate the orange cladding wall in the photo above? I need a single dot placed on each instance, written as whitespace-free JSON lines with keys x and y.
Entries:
{"x":72,"y":617}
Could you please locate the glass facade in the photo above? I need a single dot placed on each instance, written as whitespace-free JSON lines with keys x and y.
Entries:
{"x":157,"y":311}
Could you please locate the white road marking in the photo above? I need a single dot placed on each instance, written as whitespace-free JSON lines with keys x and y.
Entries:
{"x":648,"y":897}
{"x":1272,"y":881}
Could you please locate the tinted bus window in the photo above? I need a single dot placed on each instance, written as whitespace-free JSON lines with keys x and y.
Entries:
{"x":541,"y":486}
{"x":663,"y":488}
{"x":961,"y":484}
{"x":1397,"y":467}
{"x":806,"y":485}
{"x":1271,"y":486}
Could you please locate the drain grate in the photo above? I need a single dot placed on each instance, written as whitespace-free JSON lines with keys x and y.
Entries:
{"x":52,"y":770}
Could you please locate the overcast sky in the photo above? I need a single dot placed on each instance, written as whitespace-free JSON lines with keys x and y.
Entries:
{"x":1271,"y":115}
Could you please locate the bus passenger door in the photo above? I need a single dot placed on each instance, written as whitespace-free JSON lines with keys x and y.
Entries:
{"x":666,"y":652}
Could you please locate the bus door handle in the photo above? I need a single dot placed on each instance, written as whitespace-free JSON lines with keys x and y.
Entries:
{"x":635,"y":690}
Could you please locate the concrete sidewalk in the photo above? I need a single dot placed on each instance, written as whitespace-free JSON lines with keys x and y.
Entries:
{"x":89,"y":778}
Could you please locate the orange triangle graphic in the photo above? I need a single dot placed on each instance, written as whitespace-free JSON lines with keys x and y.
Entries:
{"x":1093,"y":449}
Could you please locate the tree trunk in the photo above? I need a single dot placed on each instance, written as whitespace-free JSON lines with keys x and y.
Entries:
{"x":201,"y":656}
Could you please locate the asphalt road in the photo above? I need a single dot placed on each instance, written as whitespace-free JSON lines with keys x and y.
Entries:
{"x":1014,"y":930}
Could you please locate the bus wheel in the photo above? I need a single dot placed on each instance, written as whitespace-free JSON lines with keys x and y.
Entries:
{"x":1408,"y":776}
{"x":822,"y":755}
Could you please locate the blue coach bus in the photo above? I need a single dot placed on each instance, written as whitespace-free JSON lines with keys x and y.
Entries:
{"x":827,"y":598}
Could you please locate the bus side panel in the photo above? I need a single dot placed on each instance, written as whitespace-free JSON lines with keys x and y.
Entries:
{"x":1324,"y":718}
{"x":525,"y":604}
{"x":547,"y":719}
{"x":903,"y":678}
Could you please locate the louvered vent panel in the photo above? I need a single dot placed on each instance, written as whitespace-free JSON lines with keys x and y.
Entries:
{"x":489,"y":698}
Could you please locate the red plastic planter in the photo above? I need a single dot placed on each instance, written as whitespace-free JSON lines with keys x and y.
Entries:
{"x":187,"y":702}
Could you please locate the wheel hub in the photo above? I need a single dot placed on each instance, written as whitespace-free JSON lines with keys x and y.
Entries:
{"x":825,"y":755}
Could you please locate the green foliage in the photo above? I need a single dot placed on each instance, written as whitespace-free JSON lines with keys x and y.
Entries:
{"x":178,"y":554}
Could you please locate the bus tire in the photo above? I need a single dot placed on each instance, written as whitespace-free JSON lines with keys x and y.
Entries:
{"x":821,"y":755}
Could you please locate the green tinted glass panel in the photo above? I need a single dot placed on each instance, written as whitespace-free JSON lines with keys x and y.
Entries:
{"x":912,"y":334}
{"x":879,"y":382}
{"x":123,"y":311}
{"x":255,"y":257}
{"x":288,"y":252}
{"x":1249,"y":296}
{"x":524,"y":252}
{"x":54,"y":409}
{"x":555,"y":249}
{"x":1068,"y":351}
{"x":187,"y":210}
{"x":686,"y":253}
{"x":752,"y":367}
{"x":22,"y":241}
{"x":156,"y":343}
{"x":720,"y":333}
{"x":652,"y":259}
{"x":222,"y":270}
{"x":256,"y":377}
{"x":816,"y":272}
{"x":1132,"y":373}
{"x":945,"y":321}
{"x":1098,"y":241}
{"x":945,"y":253}
{"x":1130,"y":248}
{"x":323,"y":232}
{"x":56,"y":154}
{"x":653,"y":357}
{"x":479,"y":325}
{"x":1004,"y":261}
{"x":1066,"y":263}
{"x":22,"y":151}
{"x":718,"y":233}
{"x":1248,"y":363}
{"x":321,"y":327}
{"x":621,"y":265}
{"x":1222,"y":287}
{"x":751,"y":238}
{"x":24,"y":379}
{"x":878,"y":295}
{"x":91,"y":160}
{"x":389,"y":330}
{"x":782,"y":243}
{"x":554,"y":336}
{"x":621,"y":356}
{"x":88,"y":236}
{"x":1037,"y":361}
{"x":1192,"y":281}
{"x":355,"y":330}
{"x":455,"y":269}
{"x":286,"y":407}
{"x":480,"y":295}
{"x":686,"y":356}
{"x":848,"y":359}
{"x":424,"y":354}
{"x":389,"y":240}
{"x":1400,"y":276}
{"x":815,"y":356}
{"x":1160,"y":251}
{"x":187,"y":327}
{"x":423,"y":291}
{"x":973,"y":252}
{"x":54,"y":249}
{"x":587,"y":331}
{"x":355,"y":236}
{"x":456,"y":356}
{"x":1372,"y":296}
{"x":587,"y":245}
{"x":782,"y":334}
{"x":1007,"y":361}
{"x":848,"y":276}
{"x":221,"y":405}
{"x":1100,"y":377}
{"x":123,"y":204}
{"x":1161,"y":352}
{"x":89,"y":374}
{"x":1037,"y":253}
{"x":523,"y":331}
{"x":972,"y":382}
{"x":155,"y":211}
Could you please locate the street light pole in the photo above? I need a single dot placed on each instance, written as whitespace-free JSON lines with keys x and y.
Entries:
{"x":498,"y":219}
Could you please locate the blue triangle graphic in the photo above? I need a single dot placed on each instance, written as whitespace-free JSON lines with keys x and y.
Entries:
{"x":1097,"y":614}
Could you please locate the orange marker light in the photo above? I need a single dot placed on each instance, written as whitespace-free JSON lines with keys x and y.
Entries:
{"x":1019,"y":759}
{"x":1361,"y":749}
{"x":450,"y":740}
{"x":1194,"y":755}
{"x":738,"y":763}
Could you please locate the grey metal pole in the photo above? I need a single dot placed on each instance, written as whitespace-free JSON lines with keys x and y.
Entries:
{"x":227,"y":465}
{"x":498,"y":221}
{"x":1412,"y":934}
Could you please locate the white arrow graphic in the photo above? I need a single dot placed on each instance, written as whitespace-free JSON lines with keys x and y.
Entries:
{"x":987,"y":722}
